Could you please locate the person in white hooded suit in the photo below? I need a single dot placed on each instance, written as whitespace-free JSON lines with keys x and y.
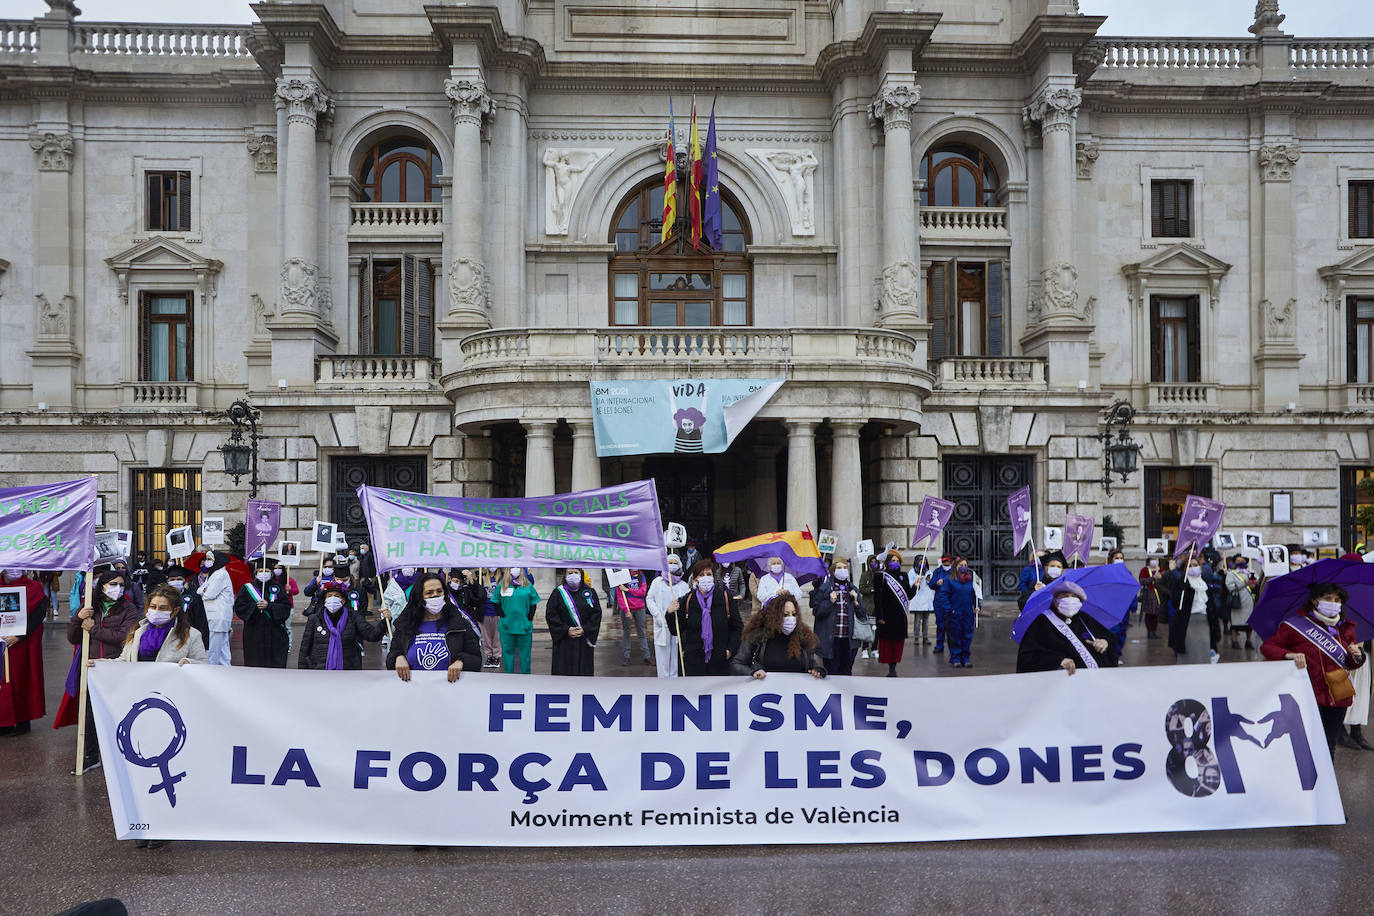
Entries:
{"x":217,"y":594}
{"x":664,"y":596}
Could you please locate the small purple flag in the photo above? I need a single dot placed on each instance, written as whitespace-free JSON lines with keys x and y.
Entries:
{"x":931,"y":520}
{"x":263,"y":524}
{"x":1019,"y":511}
{"x":1199,"y":523}
{"x":1078,"y":537}
{"x":48,"y":527}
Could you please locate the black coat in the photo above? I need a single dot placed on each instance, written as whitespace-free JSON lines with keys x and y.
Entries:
{"x":823,"y":609}
{"x":573,"y":655}
{"x":890,"y":611}
{"x":762,"y":651}
{"x":1181,"y":612}
{"x":315,"y":643}
{"x":726,"y":628}
{"x":266,"y":640}
{"x":1044,"y":648}
{"x":194,"y":609}
{"x":461,"y":639}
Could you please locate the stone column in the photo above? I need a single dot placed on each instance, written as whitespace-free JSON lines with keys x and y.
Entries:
{"x":586,"y":467}
{"x":846,"y":485}
{"x":467,"y":273}
{"x":765,"y":485}
{"x":305,"y":100}
{"x":901,"y":246}
{"x":55,"y":353}
{"x":539,"y":476}
{"x":801,"y":475}
{"x":1278,"y":357}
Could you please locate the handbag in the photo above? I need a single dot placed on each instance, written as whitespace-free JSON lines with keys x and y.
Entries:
{"x":863,"y":629}
{"x":1338,"y":684}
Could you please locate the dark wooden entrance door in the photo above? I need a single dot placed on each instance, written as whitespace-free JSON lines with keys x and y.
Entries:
{"x":401,"y":472}
{"x":979,"y":485}
{"x":685,"y":488}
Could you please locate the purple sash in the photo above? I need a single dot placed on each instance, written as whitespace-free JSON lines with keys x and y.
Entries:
{"x":1320,"y":637}
{"x":897,"y":590}
{"x":1063,"y":628}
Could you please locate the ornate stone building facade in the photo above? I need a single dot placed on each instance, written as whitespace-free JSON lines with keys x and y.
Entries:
{"x":411,"y":234}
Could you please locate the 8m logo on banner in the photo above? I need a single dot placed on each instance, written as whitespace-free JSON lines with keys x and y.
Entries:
{"x":1207,"y":741}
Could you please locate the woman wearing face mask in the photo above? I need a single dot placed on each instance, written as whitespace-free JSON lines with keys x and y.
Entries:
{"x":836,"y":606}
{"x":518,"y":600}
{"x":666,"y":594}
{"x":217,"y":593}
{"x":469,"y":598}
{"x":890,"y":599}
{"x":776,"y":580}
{"x":1240,"y":601}
{"x":432,"y":634}
{"x":776,"y":639}
{"x":491,"y":619}
{"x":108,"y":621}
{"x":264,"y":606}
{"x":333,"y":630}
{"x":708,"y":624}
{"x":574,"y":618}
{"x":1064,"y":638}
{"x":629,"y":603}
{"x":1120,"y":631}
{"x":178,"y":578}
{"x":1153,"y":596}
{"x":319,"y":582}
{"x":922,"y":602}
{"x":1194,"y":629}
{"x":22,"y":699}
{"x":962,"y":617}
{"x":1321,"y":639}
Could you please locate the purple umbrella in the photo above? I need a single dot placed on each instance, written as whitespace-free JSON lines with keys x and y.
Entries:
{"x":1284,"y":596}
{"x":1110,"y":589}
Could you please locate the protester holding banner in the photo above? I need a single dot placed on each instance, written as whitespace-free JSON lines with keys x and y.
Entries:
{"x":518,"y":601}
{"x":666,"y":595}
{"x":1063,"y":638}
{"x":777,"y":639}
{"x":939,"y":601}
{"x":573,"y":615}
{"x":839,"y":612}
{"x":108,"y":621}
{"x":776,"y":580}
{"x":264,"y":606}
{"x":191,"y":605}
{"x":890,"y":599}
{"x":333,"y":631}
{"x":708,"y":624}
{"x":323,"y":580}
{"x":432,"y":634}
{"x":22,"y":699}
{"x":629,"y":605}
{"x":218,"y":594}
{"x":962,"y":617}
{"x":1322,"y":639}
{"x":282,"y":576}
{"x":1194,"y":627}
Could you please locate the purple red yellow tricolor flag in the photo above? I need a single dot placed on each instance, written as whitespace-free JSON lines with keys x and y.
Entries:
{"x":796,"y":549}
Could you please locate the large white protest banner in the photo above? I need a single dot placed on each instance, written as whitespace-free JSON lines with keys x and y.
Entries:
{"x":509,"y":760}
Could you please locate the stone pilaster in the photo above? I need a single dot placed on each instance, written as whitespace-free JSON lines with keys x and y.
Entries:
{"x":900,"y":280}
{"x":467,"y":273}
{"x":846,"y":484}
{"x":586,"y":467}
{"x":539,"y":476}
{"x":1278,"y":356}
{"x":801,"y":475}
{"x":55,"y":353}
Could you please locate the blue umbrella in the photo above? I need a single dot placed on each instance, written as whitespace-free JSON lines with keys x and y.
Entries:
{"x":1110,"y":589}
{"x":1284,"y":596}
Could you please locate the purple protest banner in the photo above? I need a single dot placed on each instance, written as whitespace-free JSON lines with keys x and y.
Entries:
{"x":1019,"y":511}
{"x":610,"y":528}
{"x":931,"y":520}
{"x":263,"y":524}
{"x":1198,"y":524}
{"x":1078,"y":536}
{"x":48,"y":527}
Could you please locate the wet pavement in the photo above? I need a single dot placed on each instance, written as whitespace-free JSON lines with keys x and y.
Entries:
{"x":61,"y":849}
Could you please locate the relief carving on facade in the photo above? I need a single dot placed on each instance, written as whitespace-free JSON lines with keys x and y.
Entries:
{"x":794,"y":172}
{"x":299,"y":286}
{"x":900,"y":287}
{"x":1085,"y":155}
{"x":892,"y":105}
{"x":1058,"y":294}
{"x":1278,"y":320}
{"x":55,"y":318}
{"x":54,"y":151}
{"x":1277,"y":160}
{"x":468,"y":99}
{"x":304,"y":99}
{"x":263,"y":149}
{"x":1054,"y":109}
{"x":565,"y":171}
{"x":261,"y":313}
{"x":467,"y":286}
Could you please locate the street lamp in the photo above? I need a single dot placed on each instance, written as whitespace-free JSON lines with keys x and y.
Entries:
{"x":241,"y":457}
{"x":1122,"y":454}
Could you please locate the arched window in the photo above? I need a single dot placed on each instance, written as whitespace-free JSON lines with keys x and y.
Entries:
{"x":672,"y":284}
{"x":958,"y":175}
{"x":400,"y":170}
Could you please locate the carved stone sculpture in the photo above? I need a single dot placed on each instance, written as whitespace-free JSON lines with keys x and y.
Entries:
{"x":304,"y":99}
{"x":892,"y":105}
{"x":899,"y":287}
{"x":54,"y":318}
{"x":1055,"y":109}
{"x":565,"y":171}
{"x":54,"y":151}
{"x":299,"y":286}
{"x":794,"y":172}
{"x":1277,"y":160}
{"x":1085,"y":155}
{"x":263,"y":149}
{"x":467,"y":286}
{"x":1278,"y":320}
{"x":468,"y":98}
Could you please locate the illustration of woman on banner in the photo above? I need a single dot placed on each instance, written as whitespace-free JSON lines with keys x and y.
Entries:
{"x":573,"y":614}
{"x":689,"y":422}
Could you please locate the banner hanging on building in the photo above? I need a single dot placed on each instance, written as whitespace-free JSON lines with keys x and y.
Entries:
{"x":613,"y":527}
{"x":48,"y":527}
{"x":687,"y":416}
{"x":506,"y":760}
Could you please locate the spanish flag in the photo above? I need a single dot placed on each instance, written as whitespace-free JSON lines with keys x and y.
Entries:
{"x":669,"y":183}
{"x":694,"y":180}
{"x":796,"y":549}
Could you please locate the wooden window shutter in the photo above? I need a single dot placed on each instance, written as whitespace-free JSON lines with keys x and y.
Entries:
{"x":1194,"y":341}
{"x":153,"y":181}
{"x":1184,"y":207}
{"x":1156,"y":210}
{"x":1154,"y":521}
{"x":994,"y":276}
{"x":939,"y":280}
{"x":424,"y":295}
{"x":408,"y":304}
{"x":1352,"y":342}
{"x":184,"y":201}
{"x":190,"y":337}
{"x":145,"y":339}
{"x":365,"y":306}
{"x":1361,"y":207}
{"x":1202,"y":481}
{"x":1156,"y":343}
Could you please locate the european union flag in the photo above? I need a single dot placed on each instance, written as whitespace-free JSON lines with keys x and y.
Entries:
{"x":711,"y":220}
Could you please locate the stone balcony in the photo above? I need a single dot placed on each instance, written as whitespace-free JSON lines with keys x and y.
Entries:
{"x":964,"y":225}
{"x":859,"y":372}
{"x":1182,"y":395}
{"x":160,"y":394}
{"x":1359,"y":396}
{"x":401,"y":222}
{"x":375,"y":373}
{"x":991,"y":373}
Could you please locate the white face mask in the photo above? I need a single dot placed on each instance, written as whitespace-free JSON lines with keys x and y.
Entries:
{"x":675,"y":571}
{"x":574,"y":580}
{"x":1052,"y":572}
{"x":262,"y":575}
{"x":407,"y":570}
{"x":434,"y":605}
{"x":12,"y":574}
{"x":1329,"y":608}
{"x":706,"y":583}
{"x":1194,"y":571}
{"x":788,"y":625}
{"x":333,"y":602}
{"x":177,"y":584}
{"x":842,"y":574}
{"x":775,"y":568}
{"x":328,"y":572}
{"x":1119,"y":560}
{"x":1069,"y":605}
{"x":113,"y":592}
{"x":159,"y":618}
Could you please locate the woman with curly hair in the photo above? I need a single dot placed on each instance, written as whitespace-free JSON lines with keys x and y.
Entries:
{"x":433,"y":633}
{"x":776,"y":639}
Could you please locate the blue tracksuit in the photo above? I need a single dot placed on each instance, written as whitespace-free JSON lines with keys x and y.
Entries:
{"x":959,"y":619}
{"x":941,"y":603}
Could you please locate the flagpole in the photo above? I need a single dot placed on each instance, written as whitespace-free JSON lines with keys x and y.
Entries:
{"x":85,"y":660}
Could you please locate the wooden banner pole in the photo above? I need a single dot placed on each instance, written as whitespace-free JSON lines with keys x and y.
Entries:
{"x":81,"y":694}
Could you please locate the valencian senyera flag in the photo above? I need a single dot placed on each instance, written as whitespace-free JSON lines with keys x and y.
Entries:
{"x":796,"y":549}
{"x":711,"y":215}
{"x":669,"y":183}
{"x":694,"y":180}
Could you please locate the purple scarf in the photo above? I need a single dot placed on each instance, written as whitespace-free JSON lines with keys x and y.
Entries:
{"x":152,"y":639}
{"x":708,"y":641}
{"x":333,"y":659}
